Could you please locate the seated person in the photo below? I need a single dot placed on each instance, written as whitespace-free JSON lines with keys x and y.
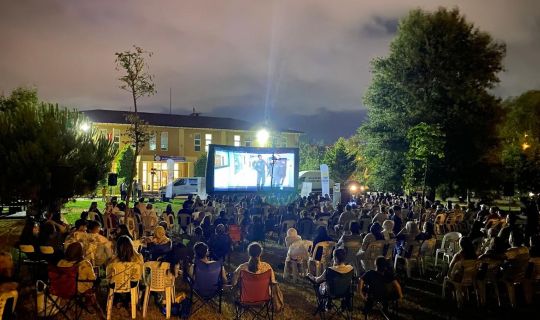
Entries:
{"x":207,"y":227}
{"x":157,"y":245}
{"x":379,"y":285}
{"x":352,"y":237}
{"x":254,"y":264}
{"x":85,"y":277}
{"x":30,"y":236}
{"x":338,"y":266}
{"x":322,"y":235}
{"x":388,"y":230}
{"x":466,"y":252}
{"x":48,"y":236}
{"x":427,"y":232}
{"x":78,"y":235}
{"x":292,"y":236}
{"x":126,"y":253}
{"x":297,"y":257}
{"x":99,"y":247}
{"x":220,"y":244}
{"x":255,"y":232}
{"x":222,"y":219}
{"x":375,"y":234}
{"x":123,"y":230}
{"x":200,"y":250}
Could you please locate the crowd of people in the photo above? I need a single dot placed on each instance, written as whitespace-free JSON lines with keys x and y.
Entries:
{"x":202,"y":234}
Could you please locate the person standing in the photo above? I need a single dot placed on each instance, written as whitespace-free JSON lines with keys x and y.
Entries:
{"x":123,"y":191}
{"x":134,"y":190}
{"x":260,"y":166}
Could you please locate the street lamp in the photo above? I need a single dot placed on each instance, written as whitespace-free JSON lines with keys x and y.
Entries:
{"x":262,"y":136}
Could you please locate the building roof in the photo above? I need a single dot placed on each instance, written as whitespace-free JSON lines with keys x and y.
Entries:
{"x":174,"y":120}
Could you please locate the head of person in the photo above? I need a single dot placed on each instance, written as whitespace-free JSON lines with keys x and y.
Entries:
{"x":388,"y":225}
{"x":93,"y":226}
{"x":355,"y":228}
{"x":412,"y":228}
{"x":291,"y":232}
{"x":255,"y":251}
{"x":516,"y":239}
{"x":220,"y":229}
{"x":124,"y":249}
{"x":198,"y":231}
{"x":200,"y":249}
{"x":467,"y":248}
{"x":260,"y":157}
{"x":222,"y":214}
{"x":339,"y":256}
{"x":74,"y":252}
{"x":376,"y":230}
{"x":84,"y":215}
{"x":93,"y":205}
{"x":511,"y":219}
{"x":123,"y":230}
{"x":381,"y":265}
{"x":159,"y":233}
{"x":80,"y":225}
{"x":149,"y":206}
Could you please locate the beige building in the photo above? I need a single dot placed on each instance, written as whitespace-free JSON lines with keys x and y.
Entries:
{"x":182,"y":138}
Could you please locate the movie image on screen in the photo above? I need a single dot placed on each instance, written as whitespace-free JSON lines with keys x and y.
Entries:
{"x":251,"y":169}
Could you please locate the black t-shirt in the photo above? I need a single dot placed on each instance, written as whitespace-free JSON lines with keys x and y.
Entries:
{"x":377,"y":283}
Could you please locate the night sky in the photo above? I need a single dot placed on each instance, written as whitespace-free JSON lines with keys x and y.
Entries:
{"x":307,"y":61}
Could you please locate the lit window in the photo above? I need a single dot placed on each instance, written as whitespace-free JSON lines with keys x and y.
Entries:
{"x":116,"y":137}
{"x":207,"y":141}
{"x":247,"y":142}
{"x":197,"y":142}
{"x":152,"y":141}
{"x":236,"y":141}
{"x":164,"y":141}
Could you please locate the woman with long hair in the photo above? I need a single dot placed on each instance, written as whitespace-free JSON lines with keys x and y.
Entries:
{"x":254,"y":264}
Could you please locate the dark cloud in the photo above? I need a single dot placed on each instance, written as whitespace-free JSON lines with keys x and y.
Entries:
{"x":223,"y":57}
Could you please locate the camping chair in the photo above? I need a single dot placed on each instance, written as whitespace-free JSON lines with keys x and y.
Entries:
{"x":235,"y":232}
{"x":255,"y":295}
{"x":466,"y":270}
{"x":321,"y":257}
{"x":122,"y":279}
{"x":367,"y":258}
{"x":32,"y":261}
{"x":206,"y":286}
{"x":158,"y":278}
{"x":60,"y":296}
{"x":4,"y":297}
{"x":184,"y":222}
{"x":339,"y":287}
{"x":448,"y":247}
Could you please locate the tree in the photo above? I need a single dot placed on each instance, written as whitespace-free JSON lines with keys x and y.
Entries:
{"x":520,"y":136}
{"x":439,"y":71}
{"x":139,"y":82}
{"x":37,"y":138}
{"x":340,"y":162}
{"x":125,"y":162}
{"x":200,"y":165}
{"x":426,"y":145}
{"x":311,"y":155}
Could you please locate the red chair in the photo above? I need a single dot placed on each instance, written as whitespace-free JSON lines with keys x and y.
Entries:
{"x":255,"y":295}
{"x":235,"y":233}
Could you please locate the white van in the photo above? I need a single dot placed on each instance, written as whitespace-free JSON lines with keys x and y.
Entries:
{"x":185,"y":186}
{"x":313,"y":176}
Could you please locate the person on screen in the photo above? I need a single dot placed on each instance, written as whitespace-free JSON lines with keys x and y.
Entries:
{"x":260,"y":166}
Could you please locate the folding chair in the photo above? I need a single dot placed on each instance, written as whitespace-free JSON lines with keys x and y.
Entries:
{"x":206,"y":286}
{"x":255,"y":295}
{"x":338,"y":287}
{"x":60,"y":295}
{"x":158,"y":278}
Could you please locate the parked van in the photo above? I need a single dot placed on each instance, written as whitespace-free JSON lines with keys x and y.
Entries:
{"x":185,"y":186}
{"x":313,"y":176}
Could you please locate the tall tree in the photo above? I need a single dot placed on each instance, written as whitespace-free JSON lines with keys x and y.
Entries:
{"x":520,"y":135}
{"x":37,"y":138}
{"x":200,"y":165}
{"x":340,"y":162}
{"x":439,"y":71}
{"x":139,"y":83}
{"x":311,"y":155}
{"x":125,"y":162}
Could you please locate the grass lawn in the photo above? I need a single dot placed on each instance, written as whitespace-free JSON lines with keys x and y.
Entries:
{"x":72,"y":210}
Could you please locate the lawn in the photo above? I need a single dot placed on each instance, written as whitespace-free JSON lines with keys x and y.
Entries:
{"x":72,"y":210}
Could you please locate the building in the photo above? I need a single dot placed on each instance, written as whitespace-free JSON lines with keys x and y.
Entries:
{"x":182,"y":138}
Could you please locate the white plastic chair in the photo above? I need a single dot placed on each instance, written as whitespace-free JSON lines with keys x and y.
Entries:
{"x":285,"y":225}
{"x":412,"y":254}
{"x":158,"y":278}
{"x":120,"y":281}
{"x":427,"y":250}
{"x":448,"y":246}
{"x":367,"y":258}
{"x":317,"y":264}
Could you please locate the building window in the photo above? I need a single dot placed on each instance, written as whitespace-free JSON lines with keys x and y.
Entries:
{"x":116,"y":138}
{"x":236,"y":140}
{"x":284,"y":142}
{"x":152,"y":141}
{"x":164,"y":141}
{"x":247,"y":142}
{"x":197,"y":141}
{"x":207,"y":141}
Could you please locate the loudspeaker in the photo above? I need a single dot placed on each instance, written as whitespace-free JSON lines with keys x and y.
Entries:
{"x":112,"y":179}
{"x":508,"y":189}
{"x":62,"y":181}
